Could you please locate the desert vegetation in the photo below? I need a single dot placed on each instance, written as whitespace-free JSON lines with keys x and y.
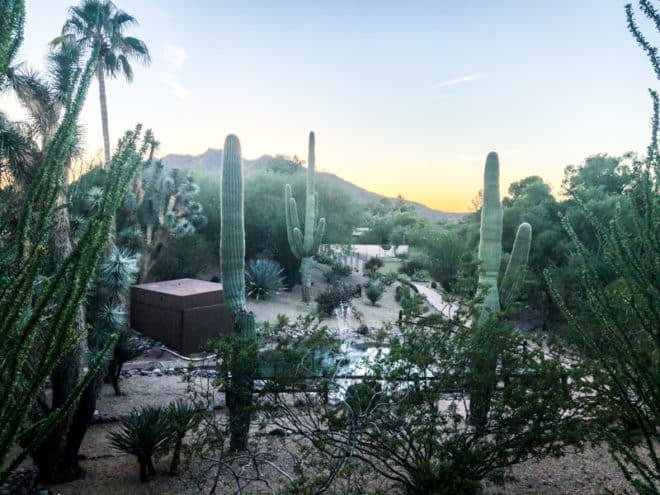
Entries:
{"x":373,"y":348}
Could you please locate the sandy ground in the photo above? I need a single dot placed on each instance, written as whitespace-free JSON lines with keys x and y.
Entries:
{"x":109,"y":472}
{"x":291,"y":305}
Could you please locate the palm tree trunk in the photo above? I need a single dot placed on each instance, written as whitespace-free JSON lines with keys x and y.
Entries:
{"x":104,"y":116}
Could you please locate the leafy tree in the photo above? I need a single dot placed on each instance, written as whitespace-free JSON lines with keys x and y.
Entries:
{"x":98,"y":25}
{"x":617,"y":331}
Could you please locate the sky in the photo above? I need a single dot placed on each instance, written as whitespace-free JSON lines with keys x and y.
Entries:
{"x":405,"y":97}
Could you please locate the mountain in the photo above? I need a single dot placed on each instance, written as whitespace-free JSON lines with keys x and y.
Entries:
{"x":210,"y":160}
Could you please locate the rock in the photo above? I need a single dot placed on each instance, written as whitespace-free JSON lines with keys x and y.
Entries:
{"x":277,"y":432}
{"x":363,"y":329}
{"x":145,"y":373}
{"x":155,"y":352}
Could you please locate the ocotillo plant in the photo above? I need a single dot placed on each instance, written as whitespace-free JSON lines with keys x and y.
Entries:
{"x":232,"y":260}
{"x":304,"y":246}
{"x":490,"y":244}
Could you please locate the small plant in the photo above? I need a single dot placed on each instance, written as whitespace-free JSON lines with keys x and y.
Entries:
{"x":282,"y":322}
{"x":387,"y":278}
{"x":324,"y":258}
{"x":182,"y":416}
{"x":373,"y":264}
{"x":330,"y":299}
{"x":415,"y":263}
{"x":145,"y":433}
{"x":126,"y":348}
{"x":374,"y":292}
{"x":263,"y":277}
{"x":337,"y":271}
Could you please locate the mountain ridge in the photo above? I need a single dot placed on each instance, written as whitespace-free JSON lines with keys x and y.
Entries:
{"x":210,"y":160}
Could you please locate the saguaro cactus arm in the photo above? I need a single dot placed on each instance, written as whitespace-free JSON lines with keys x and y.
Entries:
{"x":515,"y":270}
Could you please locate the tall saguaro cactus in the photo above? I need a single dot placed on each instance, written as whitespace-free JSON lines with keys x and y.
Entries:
{"x":304,"y":246}
{"x":490,"y":244}
{"x":232,"y":256}
{"x":490,"y":233}
{"x":490,"y":257}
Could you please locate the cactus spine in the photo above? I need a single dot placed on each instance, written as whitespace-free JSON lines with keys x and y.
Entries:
{"x":305,"y":246}
{"x":232,"y":253}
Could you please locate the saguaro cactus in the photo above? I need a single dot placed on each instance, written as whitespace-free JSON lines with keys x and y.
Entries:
{"x":490,"y":244}
{"x":490,"y":257}
{"x":232,"y":256}
{"x":304,"y":246}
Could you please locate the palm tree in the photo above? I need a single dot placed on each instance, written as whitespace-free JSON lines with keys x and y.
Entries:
{"x":99,"y":24}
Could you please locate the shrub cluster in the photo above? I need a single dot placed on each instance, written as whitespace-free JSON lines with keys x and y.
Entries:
{"x":337,"y":271}
{"x":337,"y":293}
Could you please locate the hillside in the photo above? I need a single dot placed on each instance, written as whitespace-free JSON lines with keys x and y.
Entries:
{"x":210,"y":160}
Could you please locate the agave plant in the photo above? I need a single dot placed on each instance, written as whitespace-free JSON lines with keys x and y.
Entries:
{"x":145,"y":432}
{"x":263,"y":277}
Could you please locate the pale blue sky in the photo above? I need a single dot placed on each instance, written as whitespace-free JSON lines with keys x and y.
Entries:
{"x":406,"y":97}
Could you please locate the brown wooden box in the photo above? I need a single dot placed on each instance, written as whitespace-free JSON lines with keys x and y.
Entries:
{"x":182,"y":314}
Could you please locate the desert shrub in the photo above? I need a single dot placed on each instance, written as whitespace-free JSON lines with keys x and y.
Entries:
{"x":373,"y":264}
{"x":412,"y":303}
{"x":374,"y":292}
{"x":324,"y":259}
{"x":337,"y":293}
{"x":390,"y":421}
{"x":144,"y":433}
{"x":416,"y":262}
{"x":337,"y":271}
{"x":263,"y":277}
{"x":387,"y":278}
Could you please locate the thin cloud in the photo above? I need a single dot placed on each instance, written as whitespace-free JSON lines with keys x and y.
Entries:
{"x":175,"y":86}
{"x":457,"y":80}
{"x":176,"y":56}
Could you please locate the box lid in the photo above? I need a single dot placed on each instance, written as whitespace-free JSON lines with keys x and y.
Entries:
{"x":179,"y":293}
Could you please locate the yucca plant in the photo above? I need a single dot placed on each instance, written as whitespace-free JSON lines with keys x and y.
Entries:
{"x":182,"y":416}
{"x":145,"y":433}
{"x":263,"y":277}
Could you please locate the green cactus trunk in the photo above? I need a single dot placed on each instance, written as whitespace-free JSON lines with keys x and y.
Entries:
{"x":232,"y":242}
{"x":305,"y":246}
{"x":232,"y":255}
{"x":490,"y":235}
{"x":515,"y":270}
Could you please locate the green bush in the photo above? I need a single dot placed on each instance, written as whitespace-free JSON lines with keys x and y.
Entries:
{"x":337,"y":271}
{"x":374,"y":292}
{"x":415,"y":263}
{"x":373,"y":264}
{"x":337,"y":293}
{"x":263,"y":277}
